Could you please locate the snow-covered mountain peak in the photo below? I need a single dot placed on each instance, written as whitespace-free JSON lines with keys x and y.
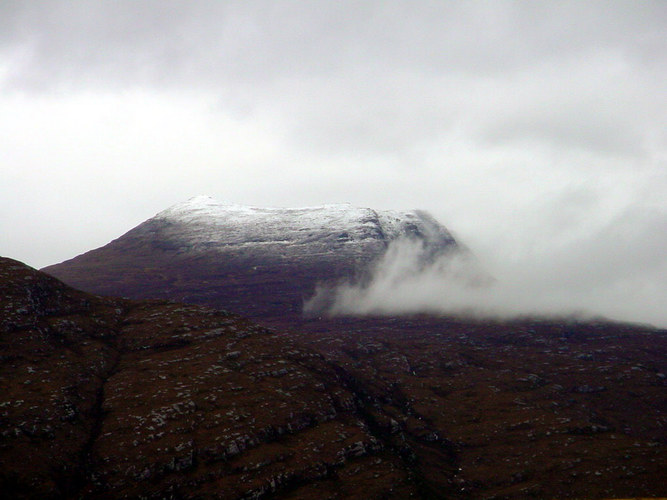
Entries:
{"x":203,"y":222}
{"x":206,"y":206}
{"x":201,"y":204}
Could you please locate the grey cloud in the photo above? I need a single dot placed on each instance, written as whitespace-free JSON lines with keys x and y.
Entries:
{"x":208,"y":42}
{"x":377,"y":76}
{"x":587,"y":107}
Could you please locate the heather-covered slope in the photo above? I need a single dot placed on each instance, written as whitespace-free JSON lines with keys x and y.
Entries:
{"x":533,"y":408}
{"x":111,"y":398}
{"x":261,"y":262}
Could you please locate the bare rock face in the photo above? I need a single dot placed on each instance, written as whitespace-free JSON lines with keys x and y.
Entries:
{"x":261,"y":262}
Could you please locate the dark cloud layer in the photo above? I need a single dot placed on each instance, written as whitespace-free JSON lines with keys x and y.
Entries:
{"x":534,"y":130}
{"x":251,"y":38}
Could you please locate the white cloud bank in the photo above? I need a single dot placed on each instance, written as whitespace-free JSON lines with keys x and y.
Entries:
{"x":580,"y":280}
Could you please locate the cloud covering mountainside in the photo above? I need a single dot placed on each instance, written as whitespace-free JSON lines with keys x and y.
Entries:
{"x":454,"y":284}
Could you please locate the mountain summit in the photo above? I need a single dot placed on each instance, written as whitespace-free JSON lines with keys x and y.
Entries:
{"x":261,"y":262}
{"x":201,"y":224}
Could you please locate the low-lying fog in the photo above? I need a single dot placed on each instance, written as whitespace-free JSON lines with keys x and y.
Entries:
{"x":618,"y":273}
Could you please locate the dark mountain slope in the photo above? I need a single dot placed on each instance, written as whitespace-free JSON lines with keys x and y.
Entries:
{"x":113,"y":398}
{"x":110,"y":398}
{"x":533,"y":408}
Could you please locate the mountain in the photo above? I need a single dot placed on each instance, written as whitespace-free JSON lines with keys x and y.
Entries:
{"x":110,"y":398}
{"x":157,"y":399}
{"x":261,"y":262}
{"x":114,"y":398}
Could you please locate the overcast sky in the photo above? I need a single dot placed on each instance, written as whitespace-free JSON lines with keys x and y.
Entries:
{"x":535,"y":131}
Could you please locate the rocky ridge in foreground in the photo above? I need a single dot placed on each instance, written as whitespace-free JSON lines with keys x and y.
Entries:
{"x":114,"y":398}
{"x":111,"y":398}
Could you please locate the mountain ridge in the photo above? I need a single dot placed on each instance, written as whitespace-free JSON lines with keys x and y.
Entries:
{"x":336,"y":225}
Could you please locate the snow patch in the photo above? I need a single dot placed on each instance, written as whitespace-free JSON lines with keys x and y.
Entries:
{"x":202,"y":222}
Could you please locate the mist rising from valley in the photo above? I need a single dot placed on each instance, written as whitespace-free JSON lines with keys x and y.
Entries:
{"x":405,"y":280}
